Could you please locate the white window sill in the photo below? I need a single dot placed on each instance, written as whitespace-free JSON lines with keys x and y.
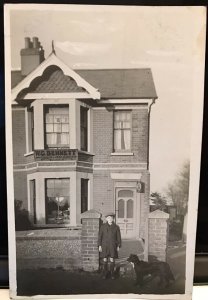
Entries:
{"x":28,"y":154}
{"x":122,"y":154}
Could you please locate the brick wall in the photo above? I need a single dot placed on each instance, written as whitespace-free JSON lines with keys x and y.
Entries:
{"x":103,"y":137}
{"x":49,"y":248}
{"x":158,"y":234}
{"x":20,"y":188}
{"x":144,"y":203}
{"x":89,"y":239}
{"x":18,"y":136}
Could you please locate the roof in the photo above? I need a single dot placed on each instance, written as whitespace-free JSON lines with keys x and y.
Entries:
{"x":111,"y":83}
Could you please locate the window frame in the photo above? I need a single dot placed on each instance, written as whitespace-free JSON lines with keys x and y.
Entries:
{"x":122,"y":150}
{"x":85,"y":109}
{"x":46,"y":209}
{"x":57,"y":146}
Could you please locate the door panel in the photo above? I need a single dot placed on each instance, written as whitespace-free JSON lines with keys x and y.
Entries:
{"x":125,"y":211}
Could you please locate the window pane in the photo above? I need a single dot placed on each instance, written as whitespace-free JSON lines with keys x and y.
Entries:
{"x":127,"y":140}
{"x":57,"y":127}
{"x":121,"y":208}
{"x":125,"y":193}
{"x":83,"y":128}
{"x":57,"y":123}
{"x":57,"y":201}
{"x":65,"y":128}
{"x":130,"y":208}
{"x":117,"y":139}
{"x":49,"y":118}
{"x":64,"y":139}
{"x":51,"y":138}
{"x":49,"y":127}
{"x":84,"y":195}
{"x":122,"y":130}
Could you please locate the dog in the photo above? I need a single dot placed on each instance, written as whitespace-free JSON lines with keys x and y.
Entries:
{"x":151,"y":270}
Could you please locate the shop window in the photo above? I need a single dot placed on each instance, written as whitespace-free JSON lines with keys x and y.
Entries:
{"x":33,"y":199}
{"x":122,"y":131}
{"x":83,"y":128}
{"x":56,"y":126}
{"x":57,"y":201}
{"x":84,"y":195}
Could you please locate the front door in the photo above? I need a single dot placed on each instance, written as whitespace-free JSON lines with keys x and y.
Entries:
{"x":126,"y":212}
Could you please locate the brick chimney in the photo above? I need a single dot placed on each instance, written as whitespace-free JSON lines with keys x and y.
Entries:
{"x":31,"y":56}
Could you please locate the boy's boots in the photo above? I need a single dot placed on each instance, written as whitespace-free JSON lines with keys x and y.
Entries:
{"x":112,"y":265}
{"x":105,"y":270}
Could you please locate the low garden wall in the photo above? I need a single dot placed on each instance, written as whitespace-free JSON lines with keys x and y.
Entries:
{"x":61,"y":247}
{"x":49,"y":248}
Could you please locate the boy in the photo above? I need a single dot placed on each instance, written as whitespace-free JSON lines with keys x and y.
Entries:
{"x":109,"y":243}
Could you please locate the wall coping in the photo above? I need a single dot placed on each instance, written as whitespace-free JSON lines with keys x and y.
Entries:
{"x":91,"y":214}
{"x":158,"y":214}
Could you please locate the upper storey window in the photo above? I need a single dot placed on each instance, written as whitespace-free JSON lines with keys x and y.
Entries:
{"x":122,"y":131}
{"x":56,"y":126}
{"x":83,"y":128}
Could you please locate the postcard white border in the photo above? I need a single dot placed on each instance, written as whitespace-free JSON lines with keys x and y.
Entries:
{"x":196,"y":138}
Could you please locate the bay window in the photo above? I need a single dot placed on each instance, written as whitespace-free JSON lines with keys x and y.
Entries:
{"x":57,"y":201}
{"x":83,"y":128}
{"x":56,"y":126}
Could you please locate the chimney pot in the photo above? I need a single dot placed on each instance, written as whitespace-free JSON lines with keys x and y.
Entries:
{"x":27,"y":42}
{"x":35,"y":42}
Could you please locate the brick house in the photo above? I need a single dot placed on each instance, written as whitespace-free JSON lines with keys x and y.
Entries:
{"x":81,"y":141}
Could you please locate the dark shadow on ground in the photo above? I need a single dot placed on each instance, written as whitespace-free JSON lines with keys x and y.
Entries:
{"x":60,"y":282}
{"x":63,"y":282}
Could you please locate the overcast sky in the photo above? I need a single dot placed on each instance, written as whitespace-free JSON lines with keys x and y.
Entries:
{"x":164,"y":39}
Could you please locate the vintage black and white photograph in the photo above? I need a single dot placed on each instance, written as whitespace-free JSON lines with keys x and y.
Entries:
{"x":104,"y":108}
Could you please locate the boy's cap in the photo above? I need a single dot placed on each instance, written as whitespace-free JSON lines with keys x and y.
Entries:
{"x":110,"y":214}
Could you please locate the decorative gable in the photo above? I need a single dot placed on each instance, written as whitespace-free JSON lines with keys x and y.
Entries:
{"x":53,"y":77}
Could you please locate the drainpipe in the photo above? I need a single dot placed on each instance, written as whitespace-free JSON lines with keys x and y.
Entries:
{"x":148,"y":142}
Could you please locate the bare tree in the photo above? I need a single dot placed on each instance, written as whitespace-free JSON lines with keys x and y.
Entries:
{"x":178,"y":190}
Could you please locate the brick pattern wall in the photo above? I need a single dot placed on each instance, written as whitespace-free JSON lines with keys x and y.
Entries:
{"x":52,"y":248}
{"x":20,"y":188}
{"x":103,"y":191}
{"x":18,"y":136}
{"x":103,"y":137}
{"x":144,"y":203}
{"x":158,"y":237}
{"x":89,"y":239}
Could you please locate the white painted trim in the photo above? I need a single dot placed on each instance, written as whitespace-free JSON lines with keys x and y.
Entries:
{"x":126,"y":101}
{"x":38,"y":125}
{"x":122,"y":153}
{"x":40,"y":96}
{"x":123,"y":107}
{"x":29,"y":153}
{"x":54,"y":60}
{"x":46,"y":161}
{"x":44,"y":167}
{"x":126,"y":176}
{"x":120,"y":169}
{"x":90,"y":130}
{"x":26,"y":130}
{"x":119,"y":163}
{"x":54,"y":101}
{"x":17,"y":108}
